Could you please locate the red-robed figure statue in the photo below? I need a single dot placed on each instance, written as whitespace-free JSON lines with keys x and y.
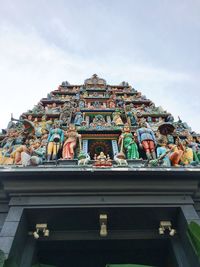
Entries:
{"x":71,"y":142}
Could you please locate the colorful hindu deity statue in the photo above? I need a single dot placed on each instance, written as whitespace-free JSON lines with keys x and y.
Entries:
{"x":117,"y":119}
{"x":188,"y":154}
{"x":6,"y":147}
{"x":176,"y":152}
{"x":127,"y":142}
{"x":147,"y":140}
{"x":71,"y":142}
{"x":102,"y":161}
{"x":78,"y":117}
{"x":131,"y":118}
{"x":55,"y":141}
{"x":35,"y":154}
{"x":192,"y":143}
{"x":163,"y":152}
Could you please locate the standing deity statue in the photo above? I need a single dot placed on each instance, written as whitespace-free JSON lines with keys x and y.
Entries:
{"x":55,"y":141}
{"x":128,"y":143}
{"x":71,"y":142}
{"x":147,"y":140}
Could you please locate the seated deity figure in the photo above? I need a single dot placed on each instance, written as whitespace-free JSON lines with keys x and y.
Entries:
{"x":55,"y":141}
{"x":71,"y":142}
{"x":147,"y":140}
{"x":7,"y":148}
{"x":78,"y":117}
{"x":163,"y":152}
{"x":17,"y":153}
{"x":17,"y":146}
{"x":52,"y":108}
{"x":44,"y":124}
{"x":55,"y":109}
{"x":131,"y":118}
{"x":48,"y":108}
{"x":188,"y":154}
{"x":99,"y":122}
{"x":176,"y":152}
{"x":192,"y":143}
{"x":102,"y":161}
{"x":35,"y":154}
{"x":117,"y":119}
{"x":127,"y":142}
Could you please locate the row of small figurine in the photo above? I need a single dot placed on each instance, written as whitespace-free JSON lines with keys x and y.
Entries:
{"x":17,"y":148}
{"x":79,"y":119}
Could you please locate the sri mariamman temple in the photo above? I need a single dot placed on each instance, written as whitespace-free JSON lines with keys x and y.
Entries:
{"x":96,"y":175}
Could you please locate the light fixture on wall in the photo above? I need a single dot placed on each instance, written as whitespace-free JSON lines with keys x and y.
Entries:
{"x":103,"y":225}
{"x":41,"y":228}
{"x":166,"y":226}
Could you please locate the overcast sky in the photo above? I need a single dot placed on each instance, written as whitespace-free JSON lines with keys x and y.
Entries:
{"x":154,"y":45}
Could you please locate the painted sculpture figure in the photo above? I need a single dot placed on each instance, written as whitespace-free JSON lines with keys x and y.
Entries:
{"x":117,"y":119}
{"x":127,"y":142}
{"x":78,"y":118}
{"x":176,"y":153}
{"x":102,"y":161}
{"x":147,"y":140}
{"x":35,"y":154}
{"x":163,"y":152}
{"x":71,"y":142}
{"x":55,"y":141}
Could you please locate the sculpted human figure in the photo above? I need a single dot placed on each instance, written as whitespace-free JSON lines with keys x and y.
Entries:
{"x":117,"y":119}
{"x":192,"y":143}
{"x":163,"y":152}
{"x":102,"y":160}
{"x":38,"y":128}
{"x":71,"y":142}
{"x":131,"y":118}
{"x":78,"y":117}
{"x":188,"y":154}
{"x":176,"y":153}
{"x":147,"y":140}
{"x":127,"y":142}
{"x":55,"y":109}
{"x":44,"y":124}
{"x":55,"y":141}
{"x":7,"y":147}
{"x":35,"y":154}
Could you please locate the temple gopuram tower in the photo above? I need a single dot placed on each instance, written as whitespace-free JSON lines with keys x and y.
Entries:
{"x":98,"y":175}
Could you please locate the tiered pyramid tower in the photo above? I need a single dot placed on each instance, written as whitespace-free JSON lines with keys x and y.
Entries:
{"x":97,"y":197}
{"x":99,"y":111}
